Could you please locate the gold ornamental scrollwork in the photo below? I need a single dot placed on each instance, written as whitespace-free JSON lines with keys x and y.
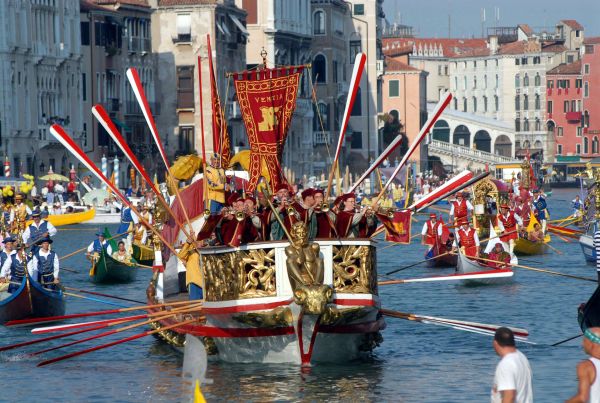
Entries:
{"x":353,"y":269}
{"x":239,"y":274}
{"x":483,"y":189}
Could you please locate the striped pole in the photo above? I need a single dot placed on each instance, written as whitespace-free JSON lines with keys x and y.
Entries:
{"x":6,"y":167}
{"x":116,"y":171}
{"x":104,"y":168}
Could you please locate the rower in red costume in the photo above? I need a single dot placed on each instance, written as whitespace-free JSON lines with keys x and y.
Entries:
{"x":325,"y":223}
{"x":460,"y":208}
{"x":523,"y":210}
{"x":347,"y":220}
{"x":508,"y":223}
{"x":432,"y":231}
{"x":234,"y":229}
{"x":282,"y":201}
{"x":305,"y":212}
{"x":467,"y":239}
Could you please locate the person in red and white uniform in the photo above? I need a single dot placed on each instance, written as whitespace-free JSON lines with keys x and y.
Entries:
{"x":432,"y":231}
{"x":460,"y":208}
{"x":467,"y":239}
{"x":508,"y":224}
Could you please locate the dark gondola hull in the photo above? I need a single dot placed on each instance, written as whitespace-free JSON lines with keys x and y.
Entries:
{"x":588,"y":314}
{"x":443,"y":261}
{"x":32,"y":300}
{"x":16,"y":306}
{"x":110,"y":271}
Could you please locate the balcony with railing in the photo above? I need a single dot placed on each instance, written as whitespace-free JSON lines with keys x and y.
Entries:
{"x":304,"y":107}
{"x":133,"y":108}
{"x":573,"y":116}
{"x":112,"y":105}
{"x":139,"y":44}
{"x":321,"y":138}
{"x":458,"y":151}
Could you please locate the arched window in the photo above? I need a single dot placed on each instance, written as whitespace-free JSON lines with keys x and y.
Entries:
{"x":319,"y":22}
{"x":321,"y":116}
{"x":464,"y":104}
{"x":538,"y":102}
{"x":550,"y":126}
{"x":526,"y":80}
{"x":474,"y":104}
{"x":526,"y":125}
{"x":517,"y":125}
{"x":464,"y":82}
{"x":496,"y":103}
{"x":485,"y":104}
{"x":538,"y":124}
{"x":586,"y":119}
{"x":497,"y":76}
{"x":525,"y":102}
{"x":319,"y":69}
{"x":518,"y":102}
{"x":517,"y":81}
{"x":455,"y":104}
{"x":595,"y":145}
{"x":538,"y":80}
{"x":485,"y":81}
{"x":586,"y":145}
{"x":475,"y":82}
{"x":526,"y":145}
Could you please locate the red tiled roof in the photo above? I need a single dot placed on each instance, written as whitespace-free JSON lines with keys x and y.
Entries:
{"x":512,"y":48}
{"x":526,"y":28}
{"x":140,"y":3}
{"x":86,"y":5}
{"x":572,"y":24}
{"x":553,"y":48}
{"x":595,"y":40}
{"x":392,"y":64}
{"x":571,"y":68}
{"x":164,"y":3}
{"x":450,"y":47}
{"x":402,"y":50}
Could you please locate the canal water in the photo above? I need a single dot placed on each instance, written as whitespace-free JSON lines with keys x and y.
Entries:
{"x":415,"y":363}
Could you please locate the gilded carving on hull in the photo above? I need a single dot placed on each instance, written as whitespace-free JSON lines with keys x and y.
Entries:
{"x":240,"y":274}
{"x":281,"y":316}
{"x":483,"y":189}
{"x":353,"y":269}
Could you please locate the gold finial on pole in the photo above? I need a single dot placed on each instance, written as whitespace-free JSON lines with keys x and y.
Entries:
{"x":263,"y":54}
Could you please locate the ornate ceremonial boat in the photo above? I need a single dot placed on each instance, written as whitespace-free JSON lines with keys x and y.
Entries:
{"x":466,"y":265}
{"x":586,"y":241}
{"x":110,"y":271}
{"x":526,"y":247}
{"x":31,"y":300}
{"x":258,"y":309}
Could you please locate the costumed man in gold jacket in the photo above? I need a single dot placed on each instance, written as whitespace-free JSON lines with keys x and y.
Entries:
{"x":216,"y":184}
{"x":193,"y":277}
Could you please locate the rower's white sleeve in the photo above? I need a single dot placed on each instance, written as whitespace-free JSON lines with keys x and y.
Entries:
{"x":476,"y":237}
{"x":135,"y":218}
{"x":424,"y":230}
{"x":109,"y":250}
{"x":5,"y":271}
{"x":51,"y":229}
{"x":56,"y":266}
{"x":28,"y":210}
{"x":469,"y":205}
{"x":26,"y":235}
{"x":451,"y":208}
{"x":518,"y":219}
{"x":500,"y":225}
{"x":90,"y":248}
{"x":144,"y":237}
{"x":32,"y":267}
{"x":440,"y":230}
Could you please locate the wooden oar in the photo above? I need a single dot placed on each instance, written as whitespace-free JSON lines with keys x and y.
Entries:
{"x":85,"y":248}
{"x":103,"y":346}
{"x":103,"y":295}
{"x":61,"y":328}
{"x":417,"y":263}
{"x":111,"y":332}
{"x":561,"y":237}
{"x":96,"y":313}
{"x":566,"y":340}
{"x":58,"y":336}
{"x":539,"y":270}
{"x":553,"y":248}
{"x":521,"y":333}
{"x":70,"y":294}
{"x":453,"y":277}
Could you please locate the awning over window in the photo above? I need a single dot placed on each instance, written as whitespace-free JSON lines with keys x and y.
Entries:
{"x":240,"y":26}
{"x":184,"y":24}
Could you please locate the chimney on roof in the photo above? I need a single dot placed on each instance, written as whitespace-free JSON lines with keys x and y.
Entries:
{"x":493,"y":44}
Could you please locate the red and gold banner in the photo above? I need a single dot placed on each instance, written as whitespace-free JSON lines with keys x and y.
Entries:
{"x":221,"y":142}
{"x":397,"y":228}
{"x":267,"y":100}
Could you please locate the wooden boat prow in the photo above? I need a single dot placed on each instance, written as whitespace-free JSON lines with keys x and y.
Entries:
{"x":109,"y":271}
{"x":31,"y":300}
{"x":252,"y":314}
{"x":466,"y":265}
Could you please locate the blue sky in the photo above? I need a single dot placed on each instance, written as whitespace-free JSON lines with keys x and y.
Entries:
{"x":430,"y":17}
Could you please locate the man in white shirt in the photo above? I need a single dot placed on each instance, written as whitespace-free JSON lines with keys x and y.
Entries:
{"x":43,"y":266}
{"x":512,"y":380}
{"x":37,"y":230}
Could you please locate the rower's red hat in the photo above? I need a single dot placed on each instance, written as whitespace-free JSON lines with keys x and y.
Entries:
{"x":233,"y":198}
{"x":248,"y":196}
{"x":344,"y":197}
{"x":315,"y":191}
{"x":307,"y":193}
{"x":432,"y":215}
{"x":282,"y":186}
{"x":504,"y":205}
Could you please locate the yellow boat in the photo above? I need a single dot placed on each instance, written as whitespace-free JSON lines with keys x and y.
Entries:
{"x":70,"y":218}
{"x":526,"y":247}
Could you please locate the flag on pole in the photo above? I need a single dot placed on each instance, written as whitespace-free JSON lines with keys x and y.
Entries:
{"x":397,"y":227}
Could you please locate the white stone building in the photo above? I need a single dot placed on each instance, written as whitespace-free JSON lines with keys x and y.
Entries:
{"x":40,"y":82}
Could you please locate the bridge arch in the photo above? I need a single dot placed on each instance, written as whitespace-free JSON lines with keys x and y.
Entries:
{"x":483,"y":141}
{"x":503,"y":146}
{"x":462,"y":136}
{"x":441,"y":131}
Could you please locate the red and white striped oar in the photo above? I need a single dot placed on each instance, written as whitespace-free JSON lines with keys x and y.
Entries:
{"x":140,"y":95}
{"x":447,"y":187}
{"x":100,"y":113}
{"x":62,"y":328}
{"x":59,"y":133}
{"x":437,"y":112}
{"x":359,"y":66}
{"x":389,"y":149}
{"x":452,"y":277}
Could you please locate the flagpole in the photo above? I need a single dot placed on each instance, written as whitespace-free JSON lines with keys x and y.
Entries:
{"x":205,"y":181}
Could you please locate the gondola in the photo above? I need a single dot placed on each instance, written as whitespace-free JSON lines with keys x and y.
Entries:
{"x":448,"y":260}
{"x":142,"y":254}
{"x":526,"y":247}
{"x":31,"y":300}
{"x":588,"y":314}
{"x":466,"y":265}
{"x":107,"y":270}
